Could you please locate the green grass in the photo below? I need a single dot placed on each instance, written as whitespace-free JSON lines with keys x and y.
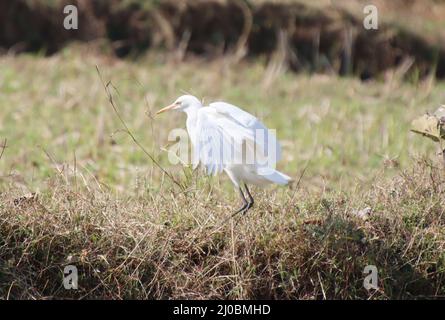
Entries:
{"x":345,"y":131}
{"x":105,"y":207}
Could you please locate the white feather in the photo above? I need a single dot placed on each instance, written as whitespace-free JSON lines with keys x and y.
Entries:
{"x":226,"y":138}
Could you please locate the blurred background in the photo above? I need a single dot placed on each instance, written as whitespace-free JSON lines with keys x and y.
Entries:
{"x":76,"y":189}
{"x":340,"y":96}
{"x":320,"y":35}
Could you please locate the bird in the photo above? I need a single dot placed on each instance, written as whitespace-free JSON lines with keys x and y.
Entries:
{"x":226,"y":138}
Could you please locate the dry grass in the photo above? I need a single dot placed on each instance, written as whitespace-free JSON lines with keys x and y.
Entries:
{"x":176,"y":245}
{"x":101,"y":205}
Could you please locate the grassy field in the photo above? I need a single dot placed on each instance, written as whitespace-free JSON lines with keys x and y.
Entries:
{"x":55,"y":112}
{"x":103,"y":206}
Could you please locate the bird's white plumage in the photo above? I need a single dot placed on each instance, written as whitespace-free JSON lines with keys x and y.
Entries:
{"x":263,"y":137}
{"x":226,"y":138}
{"x":219,"y":140}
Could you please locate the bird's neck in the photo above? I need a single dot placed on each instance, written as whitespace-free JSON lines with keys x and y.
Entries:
{"x":192,"y":112}
{"x":192,"y":118}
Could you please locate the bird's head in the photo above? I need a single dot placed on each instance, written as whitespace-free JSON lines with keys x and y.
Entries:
{"x":182,"y":104}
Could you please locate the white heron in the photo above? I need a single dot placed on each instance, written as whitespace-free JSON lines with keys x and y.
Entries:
{"x":226,"y":138}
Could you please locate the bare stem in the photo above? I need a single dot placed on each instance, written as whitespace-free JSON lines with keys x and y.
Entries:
{"x":3,"y":147}
{"x":127,"y":130}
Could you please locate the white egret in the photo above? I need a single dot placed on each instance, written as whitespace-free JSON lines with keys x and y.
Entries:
{"x":226,"y":138}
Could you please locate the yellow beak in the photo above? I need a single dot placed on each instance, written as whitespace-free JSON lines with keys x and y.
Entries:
{"x":166,"y":108}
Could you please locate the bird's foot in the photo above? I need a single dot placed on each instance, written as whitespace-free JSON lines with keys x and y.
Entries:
{"x":241,"y":210}
{"x":247,"y":208}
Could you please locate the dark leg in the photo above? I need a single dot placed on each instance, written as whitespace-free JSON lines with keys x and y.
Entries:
{"x":251,"y":201}
{"x":245,"y":203}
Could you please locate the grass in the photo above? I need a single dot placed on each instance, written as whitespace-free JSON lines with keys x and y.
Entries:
{"x":102,"y":205}
{"x":345,"y":129}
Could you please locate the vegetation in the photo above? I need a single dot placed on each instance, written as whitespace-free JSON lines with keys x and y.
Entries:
{"x":76,"y":190}
{"x":321,"y":35}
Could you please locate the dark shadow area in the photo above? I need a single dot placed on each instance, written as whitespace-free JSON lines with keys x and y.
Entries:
{"x":314,"y":40}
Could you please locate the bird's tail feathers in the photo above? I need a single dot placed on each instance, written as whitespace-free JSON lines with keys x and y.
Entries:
{"x":276,"y":176}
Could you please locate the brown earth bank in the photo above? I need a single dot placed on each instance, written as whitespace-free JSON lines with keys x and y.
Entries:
{"x":329,"y":38}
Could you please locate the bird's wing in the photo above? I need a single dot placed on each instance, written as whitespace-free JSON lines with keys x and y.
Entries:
{"x":226,"y":134}
{"x":242,"y":117}
{"x":218,"y":140}
{"x":262,"y":136}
